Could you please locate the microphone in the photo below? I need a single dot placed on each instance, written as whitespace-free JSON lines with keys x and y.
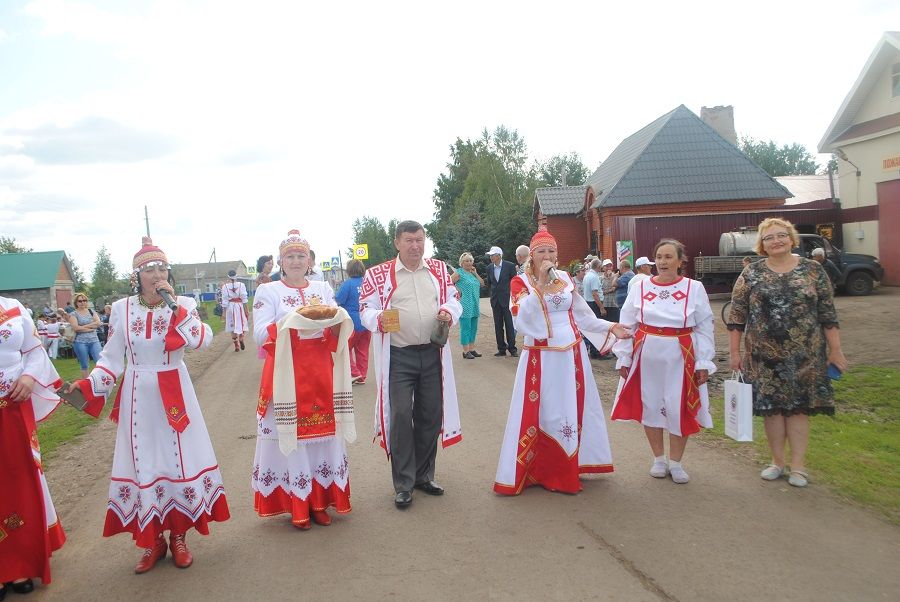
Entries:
{"x":167,"y":298}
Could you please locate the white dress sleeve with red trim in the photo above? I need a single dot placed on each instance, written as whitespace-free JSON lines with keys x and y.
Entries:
{"x":186,"y":323}
{"x":628,"y":317}
{"x":528,"y":311}
{"x":452,"y":305}
{"x":370,"y":302}
{"x":38,"y":366}
{"x":265,"y":309}
{"x":704,"y":330}
{"x":102,"y":379}
{"x":595,"y":329}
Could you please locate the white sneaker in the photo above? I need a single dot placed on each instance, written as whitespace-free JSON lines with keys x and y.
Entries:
{"x":659,"y":469}
{"x":679,"y":475}
{"x":772,"y":472}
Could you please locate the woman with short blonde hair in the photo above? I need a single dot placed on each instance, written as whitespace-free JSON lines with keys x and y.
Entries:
{"x":469,"y":284}
{"x":784,"y":306}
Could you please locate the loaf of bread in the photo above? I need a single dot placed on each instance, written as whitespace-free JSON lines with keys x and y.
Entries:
{"x":318,"y":312}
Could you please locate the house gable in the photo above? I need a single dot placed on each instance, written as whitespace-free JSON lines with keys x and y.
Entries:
{"x":869,"y":99}
{"x":22,"y":271}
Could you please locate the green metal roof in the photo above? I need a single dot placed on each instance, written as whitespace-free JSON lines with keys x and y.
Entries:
{"x":29,"y":270}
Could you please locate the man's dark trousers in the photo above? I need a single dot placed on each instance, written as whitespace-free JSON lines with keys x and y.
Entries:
{"x":416,"y":413}
{"x":500,"y":306}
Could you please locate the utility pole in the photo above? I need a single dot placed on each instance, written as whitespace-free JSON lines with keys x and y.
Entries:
{"x":147,"y":221}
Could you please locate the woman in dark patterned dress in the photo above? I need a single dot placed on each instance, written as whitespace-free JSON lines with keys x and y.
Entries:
{"x":785,"y":306}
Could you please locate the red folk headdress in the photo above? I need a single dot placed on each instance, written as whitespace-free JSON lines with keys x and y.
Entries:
{"x":149,"y":254}
{"x":293,"y":242}
{"x":542,"y":238}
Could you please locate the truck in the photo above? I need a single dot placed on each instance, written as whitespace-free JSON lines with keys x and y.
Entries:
{"x":858,"y":273}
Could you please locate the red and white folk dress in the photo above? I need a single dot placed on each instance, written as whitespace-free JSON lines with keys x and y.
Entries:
{"x":316,"y":475}
{"x":165,"y":475}
{"x":29,"y":528}
{"x":673,"y":337}
{"x":556,"y":429}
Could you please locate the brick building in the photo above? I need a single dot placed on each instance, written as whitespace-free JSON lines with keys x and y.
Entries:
{"x":37,"y":278}
{"x":563,"y":209}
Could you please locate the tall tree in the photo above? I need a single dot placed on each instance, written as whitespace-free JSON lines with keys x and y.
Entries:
{"x":77,"y":276}
{"x":551,"y":172}
{"x":8,"y":244}
{"x":104,"y":280}
{"x":380,"y":238}
{"x":788,"y":160}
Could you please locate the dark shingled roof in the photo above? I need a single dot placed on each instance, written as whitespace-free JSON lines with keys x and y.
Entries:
{"x":679,"y":159}
{"x":560,"y":200}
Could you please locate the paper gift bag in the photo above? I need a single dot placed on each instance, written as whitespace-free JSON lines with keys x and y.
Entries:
{"x":738,"y":408}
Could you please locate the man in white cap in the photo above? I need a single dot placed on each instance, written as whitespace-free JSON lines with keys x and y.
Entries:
{"x":644,"y":269}
{"x":500,"y":275}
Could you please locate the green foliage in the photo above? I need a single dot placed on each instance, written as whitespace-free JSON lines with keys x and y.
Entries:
{"x":793,"y":160}
{"x":380,"y":238}
{"x":856,"y":451}
{"x":485,"y":197}
{"x":550,"y":173}
{"x":105,"y":283}
{"x":8,"y":244}
{"x":77,"y":276}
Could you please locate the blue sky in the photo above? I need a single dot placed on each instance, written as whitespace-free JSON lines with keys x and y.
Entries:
{"x":237,"y":121}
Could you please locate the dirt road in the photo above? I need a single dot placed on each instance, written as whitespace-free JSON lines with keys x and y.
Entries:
{"x":726,"y":535}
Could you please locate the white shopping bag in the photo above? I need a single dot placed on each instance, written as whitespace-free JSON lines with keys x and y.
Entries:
{"x":738,"y":408}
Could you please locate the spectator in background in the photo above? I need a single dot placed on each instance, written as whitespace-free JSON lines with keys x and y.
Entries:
{"x":69,"y":308}
{"x":315,"y":272}
{"x":52,"y":327}
{"x":644,"y":270}
{"x":47,"y":311}
{"x":608,"y":279}
{"x":348,"y":298}
{"x":500,"y":274}
{"x":522,"y":252}
{"x":834,"y":274}
{"x":578,"y":273}
{"x":593,"y":294}
{"x":625,"y":276}
{"x":103,"y":331}
{"x":86,"y":323}
{"x":469,"y":284}
{"x":264,"y":269}
{"x":234,"y":296}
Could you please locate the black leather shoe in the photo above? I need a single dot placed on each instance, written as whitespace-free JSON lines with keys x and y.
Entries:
{"x":24,"y":587}
{"x":474,"y":353}
{"x":500,"y":354}
{"x":514,"y":353}
{"x":431,"y":488}
{"x":403,"y":499}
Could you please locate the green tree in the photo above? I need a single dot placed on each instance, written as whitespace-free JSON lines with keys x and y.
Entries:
{"x":104,"y":281}
{"x":793,"y":160}
{"x":8,"y":244}
{"x":77,"y":276}
{"x":468,"y":233}
{"x":550,"y":172}
{"x":380,"y":238}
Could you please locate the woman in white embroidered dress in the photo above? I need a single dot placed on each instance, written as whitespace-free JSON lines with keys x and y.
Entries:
{"x":316,"y":475}
{"x":165,"y":476}
{"x":29,"y":528}
{"x":665,"y":369}
{"x":556,"y":429}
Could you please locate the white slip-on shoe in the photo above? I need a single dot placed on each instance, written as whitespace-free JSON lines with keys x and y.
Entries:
{"x":659,"y":469}
{"x":772,"y":472}
{"x":798,"y":478}
{"x":678,"y":474}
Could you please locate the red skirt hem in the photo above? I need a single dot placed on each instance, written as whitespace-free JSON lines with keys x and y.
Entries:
{"x":320,"y":498}
{"x":175,"y":521}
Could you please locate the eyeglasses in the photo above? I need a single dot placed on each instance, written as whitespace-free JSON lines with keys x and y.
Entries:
{"x":778,"y":236}
{"x":80,"y":300}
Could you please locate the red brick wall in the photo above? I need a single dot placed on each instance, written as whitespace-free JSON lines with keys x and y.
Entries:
{"x":569,"y":231}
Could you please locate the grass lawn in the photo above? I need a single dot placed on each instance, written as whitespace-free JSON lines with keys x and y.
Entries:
{"x":67,"y":422}
{"x":856,"y":451}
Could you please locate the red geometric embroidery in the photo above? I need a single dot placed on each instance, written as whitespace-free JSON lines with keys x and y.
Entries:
{"x":159,"y":325}
{"x":258,"y":304}
{"x":650,"y":296}
{"x":678,"y":296}
{"x":195,"y":331}
{"x":291,"y":301}
{"x":137,"y":326}
{"x":13,"y":522}
{"x":190,"y":494}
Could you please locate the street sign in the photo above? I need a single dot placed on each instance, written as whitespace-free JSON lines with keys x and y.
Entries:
{"x":251,"y":270}
{"x":326,"y":265}
{"x":361,"y":251}
{"x":335,"y":261}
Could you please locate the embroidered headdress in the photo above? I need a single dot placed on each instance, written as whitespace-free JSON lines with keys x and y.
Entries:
{"x":293,"y":242}
{"x":542,"y":238}
{"x":149,"y":254}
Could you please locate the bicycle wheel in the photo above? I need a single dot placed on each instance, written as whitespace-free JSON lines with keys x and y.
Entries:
{"x":726,"y":309}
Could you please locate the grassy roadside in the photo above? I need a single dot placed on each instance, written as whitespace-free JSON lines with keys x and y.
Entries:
{"x":856,"y":451}
{"x":66,"y":422}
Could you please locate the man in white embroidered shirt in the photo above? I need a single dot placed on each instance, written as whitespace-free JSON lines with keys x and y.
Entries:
{"x":401,"y":301}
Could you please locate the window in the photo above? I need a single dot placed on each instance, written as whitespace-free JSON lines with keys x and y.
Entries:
{"x":211,"y":287}
{"x":181,"y":289}
{"x":895,"y":80}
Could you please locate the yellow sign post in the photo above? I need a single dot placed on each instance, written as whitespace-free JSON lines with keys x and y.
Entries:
{"x":361,"y":251}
